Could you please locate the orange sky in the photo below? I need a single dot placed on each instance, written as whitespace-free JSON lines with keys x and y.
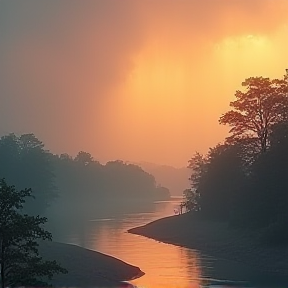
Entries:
{"x":134,"y":80}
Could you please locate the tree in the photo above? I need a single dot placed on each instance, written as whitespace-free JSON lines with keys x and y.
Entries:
{"x":84,"y":157}
{"x":37,"y":173}
{"x":25,"y":163}
{"x":19,"y":258}
{"x":221,"y":184}
{"x":191,"y":202}
{"x":215,"y":181}
{"x":268,"y":185}
{"x":162,"y":193}
{"x":198,"y":166}
{"x":256,"y":110}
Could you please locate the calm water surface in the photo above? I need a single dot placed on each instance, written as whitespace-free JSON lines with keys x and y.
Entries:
{"x":165,"y":266}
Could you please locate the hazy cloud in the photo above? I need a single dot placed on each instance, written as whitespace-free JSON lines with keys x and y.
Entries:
{"x":62,"y":61}
{"x":59,"y":57}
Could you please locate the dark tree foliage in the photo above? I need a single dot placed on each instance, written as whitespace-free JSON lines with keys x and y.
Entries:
{"x":245,"y":181}
{"x":198,"y":165}
{"x":221,"y":184}
{"x":20,"y":262}
{"x":268,"y":187}
{"x":129,"y":180}
{"x":162,"y":193}
{"x":84,"y":158}
{"x":26,"y":163}
{"x":88,"y":189}
{"x":191,"y":200}
{"x":256,"y":110}
{"x":215,"y":181}
{"x":115,"y":180}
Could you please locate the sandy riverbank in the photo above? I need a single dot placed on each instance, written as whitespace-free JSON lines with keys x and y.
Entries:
{"x":220,"y":241}
{"x":87,"y":267}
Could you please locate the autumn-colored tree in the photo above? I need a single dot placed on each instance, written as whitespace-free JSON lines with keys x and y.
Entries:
{"x":254,"y":112}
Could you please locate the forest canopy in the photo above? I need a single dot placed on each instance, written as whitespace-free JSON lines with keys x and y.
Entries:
{"x":78,"y":186}
{"x":243,"y":181}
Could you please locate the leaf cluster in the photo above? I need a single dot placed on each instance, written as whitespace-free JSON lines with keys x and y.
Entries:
{"x":19,"y":236}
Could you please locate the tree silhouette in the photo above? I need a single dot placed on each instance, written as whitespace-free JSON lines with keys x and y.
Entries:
{"x":19,"y":258}
{"x":268,"y":185}
{"x":197,"y":164}
{"x":256,"y":110}
{"x":230,"y":183}
{"x":84,"y":157}
{"x":25,"y":163}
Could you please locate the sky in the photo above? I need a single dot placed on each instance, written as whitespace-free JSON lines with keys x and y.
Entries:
{"x":143,"y":80}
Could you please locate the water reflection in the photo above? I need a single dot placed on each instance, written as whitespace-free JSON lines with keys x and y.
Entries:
{"x":166,"y":266}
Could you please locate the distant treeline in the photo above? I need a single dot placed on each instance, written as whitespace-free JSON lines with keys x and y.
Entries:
{"x":72,"y":185}
{"x":245,"y":180}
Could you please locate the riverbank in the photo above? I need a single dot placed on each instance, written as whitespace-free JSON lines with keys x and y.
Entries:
{"x":218,"y":240}
{"x":86,"y":267}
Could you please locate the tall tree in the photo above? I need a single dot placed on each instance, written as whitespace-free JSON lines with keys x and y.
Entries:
{"x":36,"y":172}
{"x":220,"y":186}
{"x":197,"y":164}
{"x":263,"y":104}
{"x":26,"y":163}
{"x":215,"y":181}
{"x":19,"y":258}
{"x":269,"y":181}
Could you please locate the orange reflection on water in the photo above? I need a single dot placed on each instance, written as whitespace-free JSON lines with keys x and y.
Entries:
{"x":165,"y":266}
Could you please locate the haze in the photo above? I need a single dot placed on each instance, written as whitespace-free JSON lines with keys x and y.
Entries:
{"x":142,"y":80}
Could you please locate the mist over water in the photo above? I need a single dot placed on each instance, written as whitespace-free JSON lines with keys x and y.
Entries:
{"x":143,"y":86}
{"x":165,"y":265}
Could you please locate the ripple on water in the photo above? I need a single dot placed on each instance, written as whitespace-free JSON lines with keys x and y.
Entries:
{"x":165,"y":266}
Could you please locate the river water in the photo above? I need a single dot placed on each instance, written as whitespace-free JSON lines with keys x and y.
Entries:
{"x":165,"y":265}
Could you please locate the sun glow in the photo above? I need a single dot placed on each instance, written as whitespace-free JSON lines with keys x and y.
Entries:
{"x":161,"y":76}
{"x":244,"y":52}
{"x":177,"y":90}
{"x":246,"y":45}
{"x":159,"y":89}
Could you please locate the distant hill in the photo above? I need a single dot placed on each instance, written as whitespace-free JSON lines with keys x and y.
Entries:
{"x":175,"y":179}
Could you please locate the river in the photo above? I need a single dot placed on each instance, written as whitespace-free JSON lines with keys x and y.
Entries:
{"x":165,"y":265}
